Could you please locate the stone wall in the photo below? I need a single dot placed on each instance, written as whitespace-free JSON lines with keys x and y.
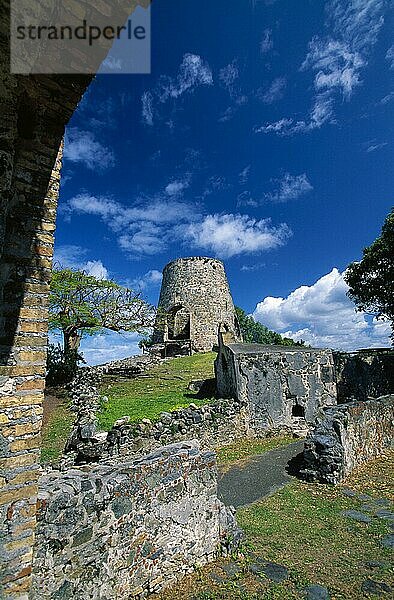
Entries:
{"x":123,"y":530}
{"x":214,"y":424}
{"x":347,"y":435}
{"x":28,"y":227}
{"x":197,"y":286}
{"x":364,"y":374}
{"x":34,"y":112}
{"x":282,"y":387}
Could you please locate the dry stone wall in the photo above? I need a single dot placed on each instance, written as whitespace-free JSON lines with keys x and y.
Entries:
{"x":347,"y":435}
{"x":216,"y":423}
{"x":122,"y":530}
{"x":198,"y":287}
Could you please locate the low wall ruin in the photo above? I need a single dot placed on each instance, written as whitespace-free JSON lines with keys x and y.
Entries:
{"x":364,"y":374}
{"x":347,"y":435}
{"x":217,"y":423}
{"x":282,"y":387}
{"x":125,"y":529}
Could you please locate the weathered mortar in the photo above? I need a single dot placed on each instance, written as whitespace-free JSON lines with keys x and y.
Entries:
{"x":347,"y":435}
{"x":196,"y":289}
{"x":281,"y":386}
{"x":122,"y":530}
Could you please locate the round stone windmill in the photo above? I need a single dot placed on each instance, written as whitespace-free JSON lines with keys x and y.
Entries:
{"x":195,"y":305}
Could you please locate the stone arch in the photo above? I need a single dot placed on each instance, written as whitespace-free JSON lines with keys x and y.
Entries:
{"x":179,"y":323}
{"x":35,"y":110}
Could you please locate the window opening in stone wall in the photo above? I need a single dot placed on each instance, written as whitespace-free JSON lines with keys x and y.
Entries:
{"x":178,"y":322}
{"x":298,"y":410}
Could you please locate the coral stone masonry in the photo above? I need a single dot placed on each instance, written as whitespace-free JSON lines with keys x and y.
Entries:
{"x":347,"y":435}
{"x":124,"y":529}
{"x":281,"y":386}
{"x":195,"y":304}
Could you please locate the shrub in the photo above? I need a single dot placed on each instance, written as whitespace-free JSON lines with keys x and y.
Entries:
{"x":61,"y":366}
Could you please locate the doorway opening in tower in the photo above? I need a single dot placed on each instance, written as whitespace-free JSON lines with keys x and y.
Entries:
{"x":178,"y":323}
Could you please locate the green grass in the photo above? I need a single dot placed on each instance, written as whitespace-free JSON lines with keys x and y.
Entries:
{"x":302,"y":528}
{"x":55,"y":432}
{"x":163,"y":388}
{"x":245,"y":448}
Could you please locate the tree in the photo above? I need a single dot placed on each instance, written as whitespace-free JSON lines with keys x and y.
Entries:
{"x":82,"y":304}
{"x":371,"y":281}
{"x":254,"y":332}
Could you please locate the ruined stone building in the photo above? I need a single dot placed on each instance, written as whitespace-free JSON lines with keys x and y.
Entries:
{"x":195,"y":304}
{"x":281,"y":387}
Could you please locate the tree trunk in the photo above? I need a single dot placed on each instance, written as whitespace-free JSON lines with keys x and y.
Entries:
{"x":72,"y":339}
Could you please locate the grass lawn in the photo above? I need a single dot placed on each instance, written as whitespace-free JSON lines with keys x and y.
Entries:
{"x":163,"y":388}
{"x":301,"y":527}
{"x":56,"y":425}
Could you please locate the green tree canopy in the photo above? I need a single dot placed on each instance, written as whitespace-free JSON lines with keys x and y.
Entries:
{"x":371,"y":281}
{"x":254,"y":332}
{"x":82,"y":304}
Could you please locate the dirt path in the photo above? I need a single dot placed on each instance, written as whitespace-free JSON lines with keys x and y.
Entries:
{"x":50,"y":403}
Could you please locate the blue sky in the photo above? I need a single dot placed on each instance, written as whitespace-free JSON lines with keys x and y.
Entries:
{"x":262,"y":137}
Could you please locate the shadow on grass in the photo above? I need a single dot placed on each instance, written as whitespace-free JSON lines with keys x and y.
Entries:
{"x":204,"y":390}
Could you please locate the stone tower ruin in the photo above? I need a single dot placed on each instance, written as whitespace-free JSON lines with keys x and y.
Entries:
{"x":195,"y":305}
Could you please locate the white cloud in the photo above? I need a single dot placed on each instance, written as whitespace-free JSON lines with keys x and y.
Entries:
{"x":335,"y":65}
{"x":74,"y":257}
{"x":290,"y":187}
{"x":69,"y":255}
{"x":337,"y":61}
{"x":266,"y":43}
{"x":149,"y":225}
{"x":390,"y":56}
{"x":244,"y":175}
{"x":228,"y":114}
{"x":193,"y":73}
{"x":82,"y":147}
{"x":214,"y":183}
{"x":246,"y":198}
{"x":388,"y":98}
{"x":232,"y":235}
{"x":96,"y":269}
{"x":373,"y":145}
{"x":320,"y":113}
{"x":147,"y":108}
{"x":274,"y":92}
{"x":177,"y":186}
{"x":252,"y":268}
{"x":278,"y":127}
{"x":148,"y":239}
{"x":229,"y":75}
{"x":144,"y":228}
{"x":357,"y":22}
{"x":150,"y":279}
{"x":323,"y":316}
{"x":159,"y":209}
{"x":102,"y":348}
